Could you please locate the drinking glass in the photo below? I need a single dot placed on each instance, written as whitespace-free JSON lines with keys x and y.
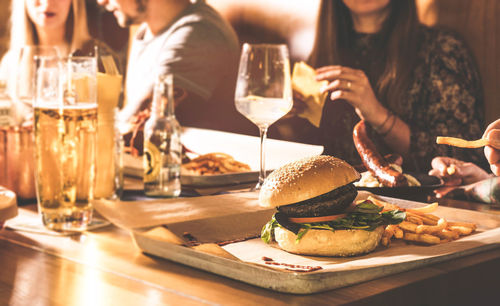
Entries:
{"x":65,"y":108}
{"x":23,"y":89}
{"x":263,"y":89}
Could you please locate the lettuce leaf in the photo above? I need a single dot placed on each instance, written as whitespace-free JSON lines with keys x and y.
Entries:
{"x":366,"y":216}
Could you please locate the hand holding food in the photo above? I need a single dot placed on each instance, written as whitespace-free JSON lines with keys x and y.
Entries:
{"x":492,"y":151}
{"x":455,"y":172}
{"x":353,"y":86}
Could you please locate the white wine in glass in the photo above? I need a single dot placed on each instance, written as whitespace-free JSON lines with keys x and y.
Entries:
{"x":263,"y":89}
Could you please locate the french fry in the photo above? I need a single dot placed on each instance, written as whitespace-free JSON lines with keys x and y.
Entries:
{"x":398,"y":232}
{"x":414,"y":219}
{"x":384,"y":204}
{"x":214,"y":163}
{"x":425,"y":209}
{"x":385,"y":241}
{"x":432,"y":229}
{"x":446,"y":234}
{"x":426,"y":218}
{"x":423,"y":227}
{"x":422,"y":238}
{"x":388,"y":232}
{"x":465,"y":224}
{"x":462,"y":143}
{"x":451,"y":169}
{"x":408,"y":226}
{"x":461,"y":230}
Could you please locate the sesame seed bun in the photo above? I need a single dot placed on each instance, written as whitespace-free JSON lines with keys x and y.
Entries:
{"x":305,"y":179}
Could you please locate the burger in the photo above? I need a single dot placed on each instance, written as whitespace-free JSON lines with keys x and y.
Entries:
{"x":316,"y":214}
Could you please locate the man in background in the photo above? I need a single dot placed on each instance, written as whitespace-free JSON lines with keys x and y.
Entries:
{"x":193,"y":42}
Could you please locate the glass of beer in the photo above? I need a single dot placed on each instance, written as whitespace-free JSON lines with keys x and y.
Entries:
{"x":65,"y":108}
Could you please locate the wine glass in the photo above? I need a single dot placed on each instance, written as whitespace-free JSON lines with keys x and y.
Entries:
{"x":263,"y":89}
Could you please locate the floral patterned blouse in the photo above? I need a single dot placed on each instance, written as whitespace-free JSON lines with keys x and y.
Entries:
{"x":443,"y":99}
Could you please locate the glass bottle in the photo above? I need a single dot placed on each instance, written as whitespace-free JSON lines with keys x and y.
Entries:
{"x":162,"y":144}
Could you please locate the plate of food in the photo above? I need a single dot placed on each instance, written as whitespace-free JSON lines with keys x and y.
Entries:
{"x":216,"y":158}
{"x":384,"y":175}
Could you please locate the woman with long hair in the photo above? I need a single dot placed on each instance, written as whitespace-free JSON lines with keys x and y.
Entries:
{"x":58,"y":23}
{"x":62,"y":23}
{"x":409,"y":82}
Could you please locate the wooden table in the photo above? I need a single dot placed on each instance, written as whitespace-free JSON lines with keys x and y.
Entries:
{"x":104,"y":267}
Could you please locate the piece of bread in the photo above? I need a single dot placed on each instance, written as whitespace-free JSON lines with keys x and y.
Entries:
{"x":305,"y":179}
{"x":304,"y":82}
{"x":329,"y":243}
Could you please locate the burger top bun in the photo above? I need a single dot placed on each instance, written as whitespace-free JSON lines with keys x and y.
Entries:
{"x":305,"y":179}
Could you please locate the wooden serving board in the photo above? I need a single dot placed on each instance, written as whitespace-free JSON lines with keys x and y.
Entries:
{"x":248,"y":264}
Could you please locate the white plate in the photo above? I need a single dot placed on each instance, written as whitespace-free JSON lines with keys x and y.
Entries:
{"x":242,"y":147}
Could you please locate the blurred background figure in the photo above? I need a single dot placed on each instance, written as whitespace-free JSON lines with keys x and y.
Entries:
{"x":193,"y":42}
{"x":410,"y":82}
{"x":58,"y":23}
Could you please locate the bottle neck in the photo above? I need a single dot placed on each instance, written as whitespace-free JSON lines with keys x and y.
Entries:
{"x":163,"y":97}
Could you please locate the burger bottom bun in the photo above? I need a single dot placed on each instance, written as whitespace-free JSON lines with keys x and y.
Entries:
{"x":329,"y":243}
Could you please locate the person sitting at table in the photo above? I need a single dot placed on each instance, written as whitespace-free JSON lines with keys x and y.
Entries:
{"x":59,"y":23}
{"x":478,"y":183}
{"x":409,"y":82}
{"x":193,"y":42}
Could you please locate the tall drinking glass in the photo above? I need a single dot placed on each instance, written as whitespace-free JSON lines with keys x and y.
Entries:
{"x":23,"y":87}
{"x":65,"y":140}
{"x":263,"y":89}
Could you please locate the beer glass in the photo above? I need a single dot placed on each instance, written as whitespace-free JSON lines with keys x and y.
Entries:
{"x":65,"y":108}
{"x":23,"y":85}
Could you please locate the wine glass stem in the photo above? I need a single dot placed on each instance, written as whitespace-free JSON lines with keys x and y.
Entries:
{"x":262,"y":172}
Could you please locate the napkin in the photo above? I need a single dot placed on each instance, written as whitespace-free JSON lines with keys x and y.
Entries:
{"x":304,"y":82}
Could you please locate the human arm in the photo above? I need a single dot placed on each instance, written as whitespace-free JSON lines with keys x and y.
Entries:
{"x":456,"y":172}
{"x":353,"y":86}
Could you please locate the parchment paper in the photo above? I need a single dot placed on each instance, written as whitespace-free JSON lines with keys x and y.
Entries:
{"x":238,"y":215}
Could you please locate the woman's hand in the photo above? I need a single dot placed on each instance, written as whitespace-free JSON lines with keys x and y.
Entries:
{"x":455,"y":172}
{"x":353,"y":86}
{"x":492,"y":152}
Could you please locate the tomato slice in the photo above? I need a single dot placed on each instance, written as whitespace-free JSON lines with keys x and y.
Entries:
{"x":316,"y":219}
